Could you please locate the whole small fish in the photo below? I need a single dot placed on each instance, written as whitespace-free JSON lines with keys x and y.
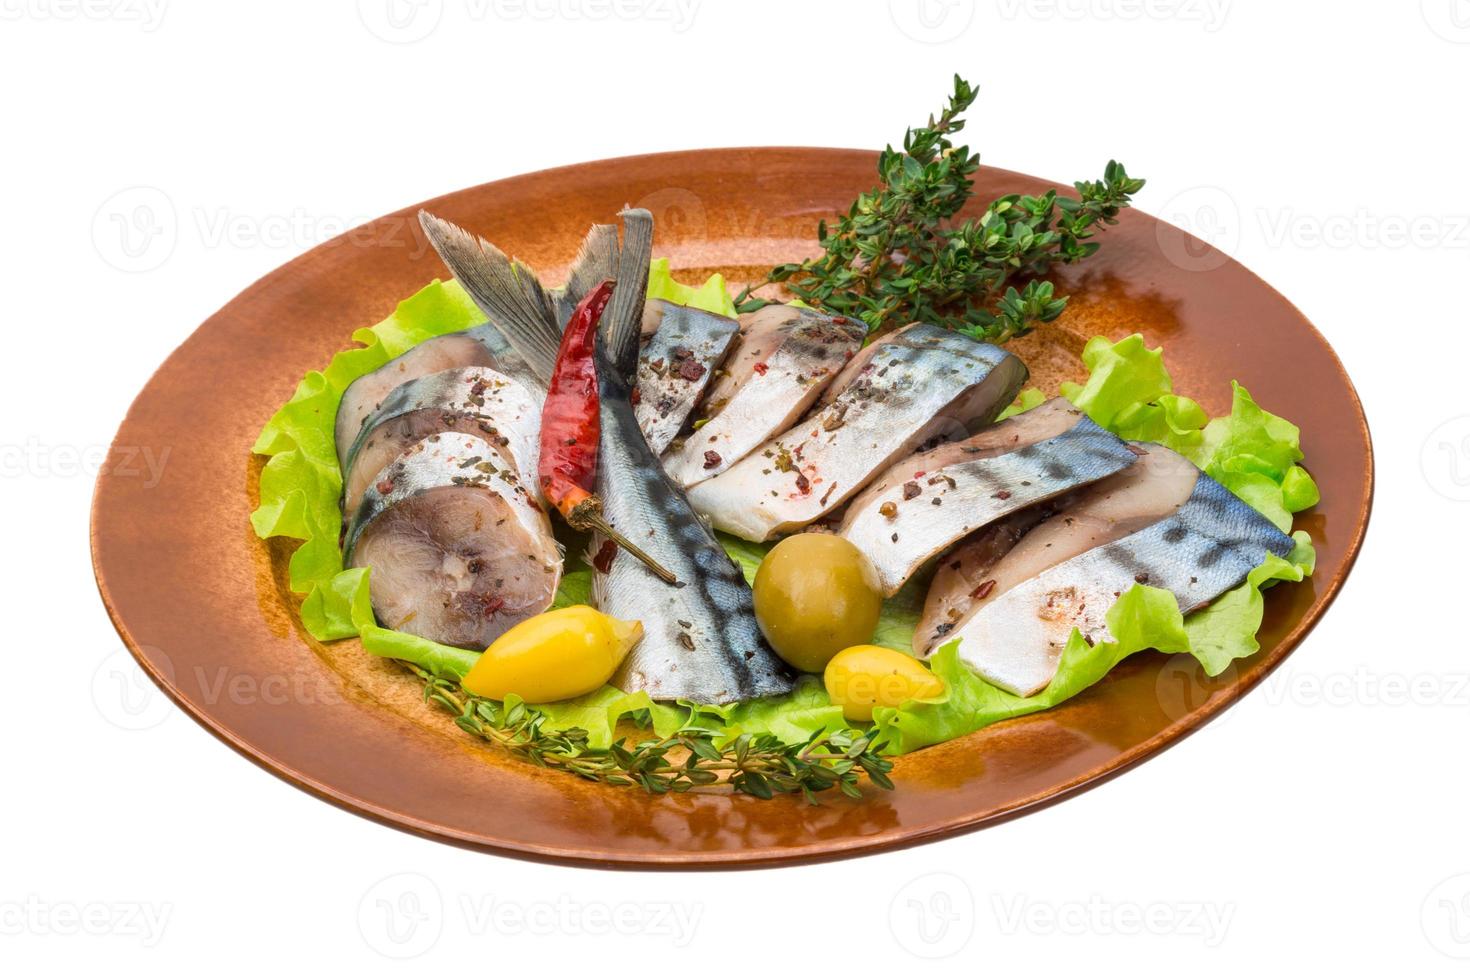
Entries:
{"x":481,"y":346}
{"x":701,"y":642}
{"x":1015,"y":638}
{"x":475,"y":401}
{"x":932,"y":499}
{"x":683,"y":346}
{"x":460,"y":550}
{"x":783,"y":359}
{"x":918,"y":384}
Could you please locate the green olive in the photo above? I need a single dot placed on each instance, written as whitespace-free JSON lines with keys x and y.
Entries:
{"x":816,"y":594}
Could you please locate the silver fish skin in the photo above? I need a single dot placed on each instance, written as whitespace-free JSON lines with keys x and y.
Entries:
{"x":481,"y":346}
{"x":1205,"y":548}
{"x":1005,"y":554}
{"x":475,"y":401}
{"x":923,"y":383}
{"x":459,"y":549}
{"x":676,"y":365}
{"x":931,"y":500}
{"x":782,"y":361}
{"x":701,"y":642}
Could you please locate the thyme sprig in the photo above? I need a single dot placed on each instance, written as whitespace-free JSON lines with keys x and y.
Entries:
{"x":897,"y":256}
{"x":757,"y":765}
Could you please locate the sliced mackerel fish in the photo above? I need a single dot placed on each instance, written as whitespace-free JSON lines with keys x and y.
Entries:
{"x":930,"y":500}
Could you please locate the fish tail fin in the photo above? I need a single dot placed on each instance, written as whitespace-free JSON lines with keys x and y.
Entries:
{"x":623,"y":322}
{"x":505,"y":290}
{"x":596,"y":262}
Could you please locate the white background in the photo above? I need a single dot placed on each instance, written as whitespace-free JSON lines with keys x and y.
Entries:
{"x":1320,"y":823}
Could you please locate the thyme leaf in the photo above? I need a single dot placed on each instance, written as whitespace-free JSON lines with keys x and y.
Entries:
{"x":757,"y":765}
{"x":898,"y":255}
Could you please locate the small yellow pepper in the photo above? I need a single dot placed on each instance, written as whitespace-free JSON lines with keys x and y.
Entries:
{"x":556,"y":655}
{"x":861,"y":678}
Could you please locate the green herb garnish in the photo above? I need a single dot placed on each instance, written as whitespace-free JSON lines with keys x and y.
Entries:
{"x":758,"y":765}
{"x":896,"y":257}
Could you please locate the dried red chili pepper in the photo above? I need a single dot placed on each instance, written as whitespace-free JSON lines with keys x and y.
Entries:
{"x":571,"y":428}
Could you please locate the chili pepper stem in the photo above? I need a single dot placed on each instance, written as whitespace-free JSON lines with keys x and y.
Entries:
{"x":587,"y":516}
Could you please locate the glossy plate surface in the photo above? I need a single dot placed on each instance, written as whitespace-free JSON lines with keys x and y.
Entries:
{"x":203,"y":604}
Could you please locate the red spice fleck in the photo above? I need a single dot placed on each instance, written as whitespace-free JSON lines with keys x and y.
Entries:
{"x":691,"y":370}
{"x":983,"y":589}
{"x":911,"y":490}
{"x":919,"y":474}
{"x":603,"y":560}
{"x":637,"y":396}
{"x":385,"y":487}
{"x":802,"y":483}
{"x":711,"y":459}
{"x":1003,"y":495}
{"x":481,"y":603}
{"x":761,"y":368}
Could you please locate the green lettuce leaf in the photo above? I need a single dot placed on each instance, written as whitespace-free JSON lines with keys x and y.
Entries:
{"x":300,"y":485}
{"x":599,"y":713}
{"x":1025,"y":402}
{"x":1254,"y":454}
{"x":1225,"y":630}
{"x":1129,"y":393}
{"x":712,"y":296}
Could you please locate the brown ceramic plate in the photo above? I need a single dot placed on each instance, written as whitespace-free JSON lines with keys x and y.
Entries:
{"x":203,"y":605}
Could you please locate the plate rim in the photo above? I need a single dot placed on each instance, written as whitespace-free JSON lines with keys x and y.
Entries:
{"x":759,"y":857}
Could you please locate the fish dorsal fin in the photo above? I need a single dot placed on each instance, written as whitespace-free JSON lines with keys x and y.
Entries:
{"x":623,"y":322}
{"x":505,"y":290}
{"x":596,"y":262}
